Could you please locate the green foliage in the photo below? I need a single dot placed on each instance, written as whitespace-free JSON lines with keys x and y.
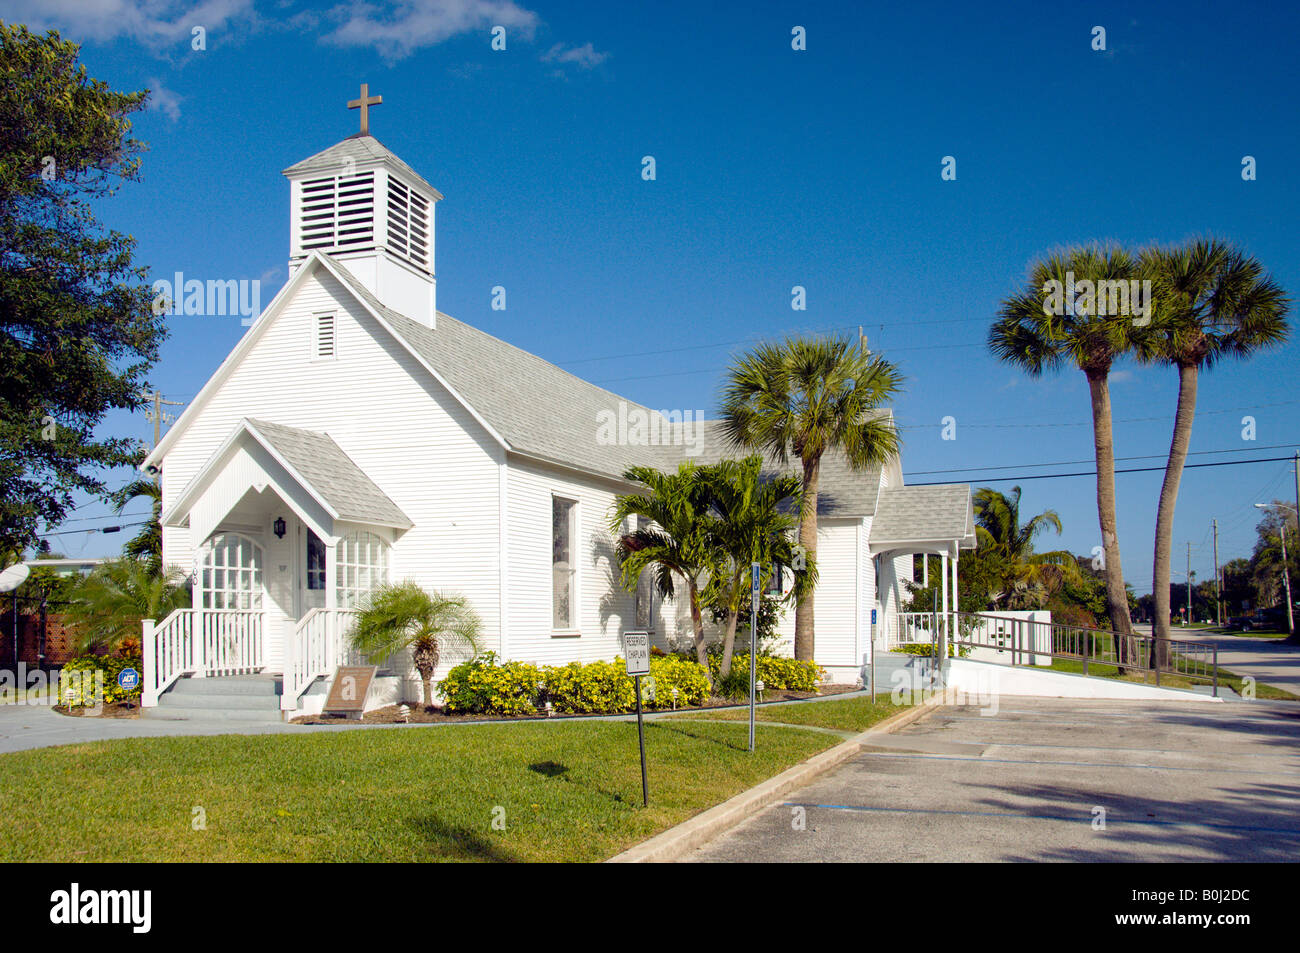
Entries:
{"x":774,"y":671}
{"x":146,"y":544}
{"x":79,"y":692}
{"x":485,"y":685}
{"x":926,"y":650}
{"x":77,"y":328}
{"x":108,"y":604}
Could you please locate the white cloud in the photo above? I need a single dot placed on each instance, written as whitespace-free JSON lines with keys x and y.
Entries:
{"x":164,"y":99}
{"x":397,"y":28}
{"x":155,"y":23}
{"x":585,"y":56}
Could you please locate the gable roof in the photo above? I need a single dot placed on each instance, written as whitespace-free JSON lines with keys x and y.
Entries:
{"x":361,"y":150}
{"x":334,"y":477}
{"x":936,"y":512}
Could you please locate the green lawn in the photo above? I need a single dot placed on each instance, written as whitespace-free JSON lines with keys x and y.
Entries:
{"x":848,"y":714}
{"x":570,"y":791}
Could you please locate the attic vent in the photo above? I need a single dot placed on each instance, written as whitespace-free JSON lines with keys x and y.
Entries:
{"x":325,"y":340}
{"x":338,"y":212}
{"x":408,"y":224}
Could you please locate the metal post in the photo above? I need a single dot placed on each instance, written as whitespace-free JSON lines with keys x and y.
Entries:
{"x":1218,"y":594}
{"x":755,"y":582}
{"x":1216,"y":670}
{"x":640,"y":735}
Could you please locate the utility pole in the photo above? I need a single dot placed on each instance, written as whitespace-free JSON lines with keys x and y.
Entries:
{"x":1189,"y":583}
{"x":158,"y":417}
{"x":1218,"y":596}
{"x":1286,"y":579}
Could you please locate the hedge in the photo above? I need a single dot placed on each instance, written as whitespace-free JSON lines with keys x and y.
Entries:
{"x":486,"y":685}
{"x":774,"y":671}
{"x":79,"y":692}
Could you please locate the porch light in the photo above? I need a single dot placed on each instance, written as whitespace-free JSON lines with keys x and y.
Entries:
{"x":278,"y":527}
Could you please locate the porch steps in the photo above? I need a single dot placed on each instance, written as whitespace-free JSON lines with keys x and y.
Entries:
{"x":229,"y":698}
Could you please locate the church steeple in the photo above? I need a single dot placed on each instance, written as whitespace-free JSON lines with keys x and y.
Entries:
{"x":360,"y":204}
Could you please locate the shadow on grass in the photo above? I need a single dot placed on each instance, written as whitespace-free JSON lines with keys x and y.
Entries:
{"x":550,"y":769}
{"x":687,"y":733}
{"x":448,"y":842}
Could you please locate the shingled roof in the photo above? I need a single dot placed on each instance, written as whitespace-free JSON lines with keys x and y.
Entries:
{"x":361,"y":150}
{"x":937,"y":512}
{"x":331,"y":474}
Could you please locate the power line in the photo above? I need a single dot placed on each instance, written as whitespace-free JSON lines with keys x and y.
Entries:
{"x":94,"y":529}
{"x":1069,"y":463}
{"x":1056,"y":476}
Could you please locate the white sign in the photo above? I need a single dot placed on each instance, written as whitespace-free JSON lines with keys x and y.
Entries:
{"x":636,"y":648}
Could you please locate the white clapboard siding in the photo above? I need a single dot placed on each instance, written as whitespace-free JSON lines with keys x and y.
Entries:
{"x":390,"y":416}
{"x":604,"y":609}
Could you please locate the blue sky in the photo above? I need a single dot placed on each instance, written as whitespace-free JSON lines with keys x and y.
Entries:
{"x":775,"y":168}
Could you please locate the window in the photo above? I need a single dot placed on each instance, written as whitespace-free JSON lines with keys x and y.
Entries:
{"x":231,"y":574}
{"x":324,"y":341}
{"x":315,"y":562}
{"x":564,"y":570}
{"x":362,"y":566}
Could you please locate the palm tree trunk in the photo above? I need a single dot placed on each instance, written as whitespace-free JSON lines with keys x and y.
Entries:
{"x":1104,"y":446}
{"x":426,"y":679}
{"x":804,"y":647}
{"x":729,"y":642}
{"x":1187,"y":380}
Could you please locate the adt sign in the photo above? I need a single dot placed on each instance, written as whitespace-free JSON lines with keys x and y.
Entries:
{"x":128,"y":679}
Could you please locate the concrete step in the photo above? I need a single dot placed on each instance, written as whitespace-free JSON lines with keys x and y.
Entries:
{"x":263,"y":685}
{"x":222,"y":698}
{"x":214,"y":700}
{"x":260,"y":715}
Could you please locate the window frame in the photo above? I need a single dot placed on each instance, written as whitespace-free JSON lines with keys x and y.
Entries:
{"x":571,"y":627}
{"x":206,"y":576}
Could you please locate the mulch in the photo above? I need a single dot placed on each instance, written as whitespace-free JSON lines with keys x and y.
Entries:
{"x":111,"y":710}
{"x":420,"y":715}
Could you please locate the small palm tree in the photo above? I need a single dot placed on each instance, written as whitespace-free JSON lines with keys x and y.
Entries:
{"x":753,"y":525}
{"x":147,"y":544}
{"x":107,"y":606}
{"x":1002,"y":535}
{"x":403,"y":615}
{"x":800,"y":398}
{"x":676,"y":544}
{"x":1030,"y":334}
{"x":1212,"y":302}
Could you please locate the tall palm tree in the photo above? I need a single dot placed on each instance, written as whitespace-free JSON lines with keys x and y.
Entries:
{"x":800,"y":398}
{"x":676,"y":543}
{"x":1001,"y":534}
{"x":1213,"y":302}
{"x":106,"y":607}
{"x":753,"y":525}
{"x":403,"y":615}
{"x":147,"y":544}
{"x":1029,"y":334}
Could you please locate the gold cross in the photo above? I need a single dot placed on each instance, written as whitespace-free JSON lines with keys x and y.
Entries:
{"x":364,"y":104}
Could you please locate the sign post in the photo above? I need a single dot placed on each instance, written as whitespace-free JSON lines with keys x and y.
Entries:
{"x":755,"y":593}
{"x":636,"y":647}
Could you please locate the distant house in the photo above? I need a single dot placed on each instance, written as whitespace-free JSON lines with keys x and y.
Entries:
{"x":358,"y":435}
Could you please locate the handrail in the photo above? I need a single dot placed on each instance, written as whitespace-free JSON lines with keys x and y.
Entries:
{"x":315,"y":648}
{"x":200,"y":643}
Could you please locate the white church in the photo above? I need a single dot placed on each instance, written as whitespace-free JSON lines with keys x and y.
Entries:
{"x":290,"y":489}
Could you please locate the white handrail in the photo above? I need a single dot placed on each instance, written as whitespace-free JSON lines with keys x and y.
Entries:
{"x":201,"y":643}
{"x":319,"y":643}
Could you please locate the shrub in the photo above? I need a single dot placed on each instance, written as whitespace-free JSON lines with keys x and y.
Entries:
{"x":774,"y":671}
{"x":595,"y":687}
{"x":926,"y":650}
{"x":685,"y":675}
{"x":484,"y":686}
{"x":79,"y":692}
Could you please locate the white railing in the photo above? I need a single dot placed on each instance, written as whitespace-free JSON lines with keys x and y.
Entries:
{"x":911,"y":627}
{"x":202,"y":643}
{"x":318,"y":645}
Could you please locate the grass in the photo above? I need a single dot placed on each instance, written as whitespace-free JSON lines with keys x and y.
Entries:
{"x":847,"y":715}
{"x":1263,"y":691}
{"x":566,"y":792}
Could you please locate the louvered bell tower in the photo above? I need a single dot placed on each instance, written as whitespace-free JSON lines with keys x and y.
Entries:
{"x":364,"y":207}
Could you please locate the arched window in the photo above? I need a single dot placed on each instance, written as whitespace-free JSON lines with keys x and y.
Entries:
{"x":362,"y":566}
{"x":230,"y":576}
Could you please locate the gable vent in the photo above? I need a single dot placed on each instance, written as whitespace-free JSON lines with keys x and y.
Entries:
{"x":408,"y":224}
{"x":325,"y":337}
{"x":338,"y":213}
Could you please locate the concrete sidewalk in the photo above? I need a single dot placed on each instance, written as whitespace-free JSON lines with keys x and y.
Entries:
{"x":1173,"y":782}
{"x":1270,"y":661}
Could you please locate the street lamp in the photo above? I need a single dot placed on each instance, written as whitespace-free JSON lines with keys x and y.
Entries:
{"x":1286,"y":576}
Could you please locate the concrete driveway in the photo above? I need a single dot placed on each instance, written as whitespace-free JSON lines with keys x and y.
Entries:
{"x":1176,"y":782}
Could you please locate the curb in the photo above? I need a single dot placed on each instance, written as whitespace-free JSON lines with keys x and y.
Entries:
{"x":686,"y":836}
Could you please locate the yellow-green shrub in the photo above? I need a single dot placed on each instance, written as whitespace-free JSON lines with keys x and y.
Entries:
{"x":775,"y":671}
{"x":79,"y":691}
{"x":484,"y":686}
{"x":595,"y":687}
{"x":673,"y":671}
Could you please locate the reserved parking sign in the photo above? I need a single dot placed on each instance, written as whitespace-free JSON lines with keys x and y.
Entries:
{"x":636,"y":648}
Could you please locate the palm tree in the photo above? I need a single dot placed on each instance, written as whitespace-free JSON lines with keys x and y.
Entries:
{"x":752,"y":525}
{"x":676,"y":543}
{"x":1001,"y":534}
{"x":107,"y":606}
{"x":800,"y":398}
{"x":1212,"y":302}
{"x":403,"y":615}
{"x":1030,"y":334}
{"x":147,"y":544}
